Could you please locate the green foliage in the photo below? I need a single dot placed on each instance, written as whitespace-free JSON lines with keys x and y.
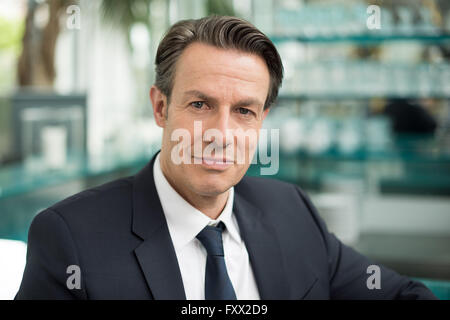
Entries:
{"x":125,"y":13}
{"x":11,"y":34}
{"x":220,"y":7}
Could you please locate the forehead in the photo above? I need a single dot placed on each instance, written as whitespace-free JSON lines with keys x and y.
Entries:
{"x":202,"y":65}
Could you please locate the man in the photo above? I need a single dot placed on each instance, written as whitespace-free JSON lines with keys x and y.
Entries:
{"x":189,"y":225}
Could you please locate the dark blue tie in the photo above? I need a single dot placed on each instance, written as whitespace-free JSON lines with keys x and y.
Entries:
{"x":217,"y":283}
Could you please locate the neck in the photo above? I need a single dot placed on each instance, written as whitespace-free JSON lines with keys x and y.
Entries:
{"x":211,"y":206}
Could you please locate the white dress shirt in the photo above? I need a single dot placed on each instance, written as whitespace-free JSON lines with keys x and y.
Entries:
{"x":185,"y":222}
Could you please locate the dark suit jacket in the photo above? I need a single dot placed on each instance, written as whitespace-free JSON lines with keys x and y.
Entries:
{"x":118,"y":236}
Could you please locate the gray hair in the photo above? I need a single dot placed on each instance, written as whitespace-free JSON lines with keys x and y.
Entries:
{"x":222,"y":32}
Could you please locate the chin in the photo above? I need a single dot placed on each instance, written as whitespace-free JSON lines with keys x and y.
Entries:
{"x":210,"y":183}
{"x":212,"y":189}
{"x":211,"y":186}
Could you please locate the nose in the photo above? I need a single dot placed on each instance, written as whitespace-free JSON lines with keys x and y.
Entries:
{"x":223,"y":128}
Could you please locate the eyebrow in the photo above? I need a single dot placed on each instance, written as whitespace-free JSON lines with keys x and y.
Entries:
{"x":204,"y":96}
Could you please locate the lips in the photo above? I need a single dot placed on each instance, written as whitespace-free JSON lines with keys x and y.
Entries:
{"x":215,"y":163}
{"x":222,"y":161}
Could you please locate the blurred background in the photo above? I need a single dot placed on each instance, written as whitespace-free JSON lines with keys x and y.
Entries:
{"x":363,"y":114}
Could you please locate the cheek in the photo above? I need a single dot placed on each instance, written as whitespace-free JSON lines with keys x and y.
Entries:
{"x":180,"y":125}
{"x":177,"y":140}
{"x":246,"y":144}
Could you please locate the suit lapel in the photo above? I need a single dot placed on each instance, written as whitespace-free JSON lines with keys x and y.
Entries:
{"x":156,"y":254}
{"x":263,"y":248}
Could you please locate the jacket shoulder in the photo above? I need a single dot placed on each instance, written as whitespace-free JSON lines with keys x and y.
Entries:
{"x":266,"y":185}
{"x":108,"y":197}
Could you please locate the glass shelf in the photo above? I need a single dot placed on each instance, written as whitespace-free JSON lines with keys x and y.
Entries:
{"x":32,"y":175}
{"x":362,"y":79}
{"x":406,"y":149}
{"x":365,"y":38}
{"x":353,"y":96}
{"x":410,"y":165}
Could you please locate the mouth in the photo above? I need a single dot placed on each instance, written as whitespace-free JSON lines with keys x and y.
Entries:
{"x":214,"y":163}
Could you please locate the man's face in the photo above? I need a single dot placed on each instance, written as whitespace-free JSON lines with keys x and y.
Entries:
{"x":217,"y":91}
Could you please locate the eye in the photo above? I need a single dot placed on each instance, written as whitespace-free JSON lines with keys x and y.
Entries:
{"x":244,"y":111}
{"x":197,"y":104}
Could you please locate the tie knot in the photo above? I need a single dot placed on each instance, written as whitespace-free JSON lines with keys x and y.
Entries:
{"x":211,"y":238}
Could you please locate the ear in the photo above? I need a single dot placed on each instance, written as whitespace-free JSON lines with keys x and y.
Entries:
{"x":159,"y":103}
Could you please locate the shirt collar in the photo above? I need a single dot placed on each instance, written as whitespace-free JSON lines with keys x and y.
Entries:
{"x":185,"y":221}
